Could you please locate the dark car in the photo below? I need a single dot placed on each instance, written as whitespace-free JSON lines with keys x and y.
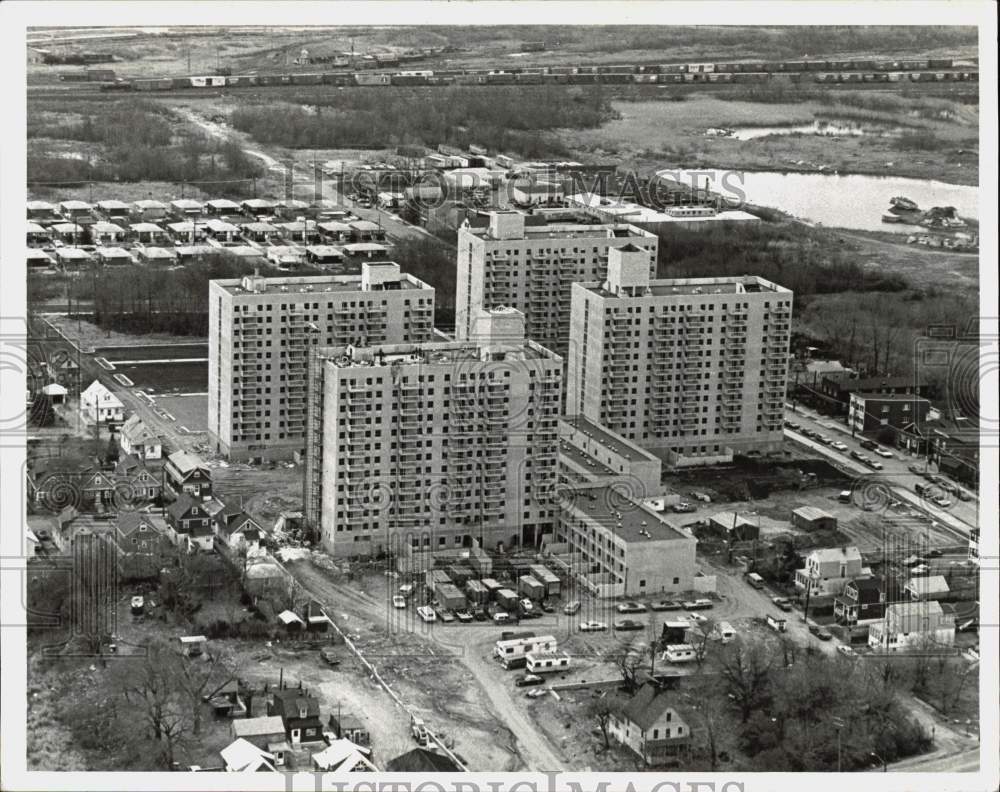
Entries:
{"x":480,"y":615}
{"x":823,"y":634}
{"x":915,"y":469}
{"x":329,"y":656}
{"x":627,"y":624}
{"x":548,"y":608}
{"x":666,"y":605}
{"x":463,"y":616}
{"x":528,"y":680}
{"x":868,"y":445}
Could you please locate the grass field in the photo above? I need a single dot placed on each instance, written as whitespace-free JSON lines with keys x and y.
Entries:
{"x":168,"y":377}
{"x":189,"y":411}
{"x":181,"y":350}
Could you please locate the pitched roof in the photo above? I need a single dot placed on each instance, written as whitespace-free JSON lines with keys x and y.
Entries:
{"x":647,"y":706}
{"x":812,"y":513}
{"x":137,"y":432}
{"x":931,"y":584}
{"x":342,"y":755}
{"x":872,"y":583}
{"x":255,"y":727}
{"x":912,"y":616}
{"x":292,"y":700}
{"x":179,"y":507}
{"x":129,"y":465}
{"x":825,"y":555}
{"x":242,"y":756}
{"x":184,"y":462}
{"x":422,"y":760}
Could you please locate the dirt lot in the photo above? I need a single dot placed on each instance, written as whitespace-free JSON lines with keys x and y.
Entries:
{"x":264,"y":493}
{"x":90,"y":335}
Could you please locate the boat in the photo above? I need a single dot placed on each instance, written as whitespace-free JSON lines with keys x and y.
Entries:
{"x":891,"y":218}
{"x":901,"y":204}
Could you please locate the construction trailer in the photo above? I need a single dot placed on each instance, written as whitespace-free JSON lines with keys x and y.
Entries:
{"x":449,"y":596}
{"x":477,"y":592}
{"x":530,"y":587}
{"x":548,"y":578}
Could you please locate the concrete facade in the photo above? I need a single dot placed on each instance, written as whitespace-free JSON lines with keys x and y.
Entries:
{"x":693,"y":370}
{"x":593,"y":454}
{"x":260,"y":333}
{"x":434,"y":446}
{"x":532,"y":267}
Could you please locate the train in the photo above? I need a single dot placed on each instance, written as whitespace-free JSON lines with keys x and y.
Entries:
{"x":860,"y":71}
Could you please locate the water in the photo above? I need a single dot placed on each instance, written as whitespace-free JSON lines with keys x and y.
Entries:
{"x":829,"y":128}
{"x":850,"y":201}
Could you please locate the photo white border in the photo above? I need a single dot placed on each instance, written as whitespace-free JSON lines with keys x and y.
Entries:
{"x":16,"y":17}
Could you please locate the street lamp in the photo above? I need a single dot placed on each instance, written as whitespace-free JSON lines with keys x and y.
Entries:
{"x":838,"y":724}
{"x":885,"y":766}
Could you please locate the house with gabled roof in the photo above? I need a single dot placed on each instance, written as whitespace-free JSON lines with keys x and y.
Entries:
{"x":861,"y":601}
{"x":343,"y":756}
{"x":299,"y":712}
{"x":242,"y":756}
{"x":650,"y":725}
{"x":100,"y":405}
{"x":141,"y":539}
{"x":137,"y":438}
{"x":234,"y":528}
{"x":829,"y":569}
{"x":190,"y":523}
{"x":186,"y":473}
{"x":927,"y":587}
{"x":913,"y":626}
{"x":135,"y":479}
{"x":423,"y":760}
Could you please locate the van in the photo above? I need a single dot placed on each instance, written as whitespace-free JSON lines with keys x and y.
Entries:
{"x":725,"y":632}
{"x":571,"y":607}
{"x":755,"y":580}
{"x":776,"y":623}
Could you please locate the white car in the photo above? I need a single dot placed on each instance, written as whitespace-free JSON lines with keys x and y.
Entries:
{"x":846,"y":651}
{"x":593,"y":626}
{"x":535,"y":693}
{"x":884,"y":453}
{"x":399,"y":601}
{"x":426,"y":612}
{"x":942,"y":502}
{"x":697,"y":617}
{"x":839,"y":446}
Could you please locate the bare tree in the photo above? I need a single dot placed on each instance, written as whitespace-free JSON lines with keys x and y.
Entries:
{"x":601,"y":710}
{"x":628,"y":661}
{"x":746,"y":669}
{"x":198,"y":678}
{"x":711,"y":714}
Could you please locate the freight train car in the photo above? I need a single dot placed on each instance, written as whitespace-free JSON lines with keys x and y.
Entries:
{"x":751,"y":77}
{"x":940,"y":63}
{"x":615,"y":78}
{"x":153,"y":84}
{"x":410,"y":79}
{"x":306,"y":79}
{"x":530,"y":78}
{"x":208,"y":81}
{"x":241,"y":80}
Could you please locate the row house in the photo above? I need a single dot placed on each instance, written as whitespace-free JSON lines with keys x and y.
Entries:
{"x":840,"y":386}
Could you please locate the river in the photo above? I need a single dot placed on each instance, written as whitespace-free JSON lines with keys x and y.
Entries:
{"x":851,"y":201}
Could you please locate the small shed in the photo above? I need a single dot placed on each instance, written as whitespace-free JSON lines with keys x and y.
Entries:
{"x":930,"y":587}
{"x":290,"y":621}
{"x":531,"y":588}
{"x":55,"y":392}
{"x":193,"y":645}
{"x":730,"y":522}
{"x":811,"y":518}
{"x":450,"y":596}
{"x":547,"y":578}
{"x":316,"y":618}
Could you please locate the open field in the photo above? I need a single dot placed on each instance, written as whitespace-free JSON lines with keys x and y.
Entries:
{"x":188,"y":411}
{"x":672,"y":133}
{"x":167,"y":377}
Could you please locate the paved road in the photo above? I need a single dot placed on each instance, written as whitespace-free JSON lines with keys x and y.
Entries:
{"x":961,"y":515}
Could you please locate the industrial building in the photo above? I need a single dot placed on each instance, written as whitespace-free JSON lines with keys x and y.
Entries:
{"x":435,"y":445}
{"x":693,"y":370}
{"x":531,"y":268}
{"x":260,"y":332}
{"x":593,"y":454}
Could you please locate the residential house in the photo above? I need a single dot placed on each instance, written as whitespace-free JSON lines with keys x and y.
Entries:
{"x":324,"y":255}
{"x":242,"y":756}
{"x":135,"y":481}
{"x":234,"y":529}
{"x":100,"y":405}
{"x":862,"y":601}
{"x":190,"y":523}
{"x":259,"y":232}
{"x":186,"y":209}
{"x":366,"y":231}
{"x":38,"y":259}
{"x":870,"y":412}
{"x":956,"y":451}
{"x":221,"y":231}
{"x":258,"y":207}
{"x":423,"y":760}
{"x":650,"y":725}
{"x":292,"y":209}
{"x":36,"y":235}
{"x":156,"y":256}
{"x":113,"y":211}
{"x":300,"y":231}
{"x":72,"y":259}
{"x":138,"y":439}
{"x":266,"y":732}
{"x":185,"y":473}
{"x":148,"y":234}
{"x":222,"y":207}
{"x":927,"y":587}
{"x":75,"y":211}
{"x":113,"y":257}
{"x":149,"y":211}
{"x":346,"y":725}
{"x":299,"y":712}
{"x":186,"y":231}
{"x":828,"y":570}
{"x":335,"y":231}
{"x":69,"y":233}
{"x":913,"y":625}
{"x":343,"y":756}
{"x":42,"y":211}
{"x":66,"y":372}
{"x":141,"y":539}
{"x":105,"y":233}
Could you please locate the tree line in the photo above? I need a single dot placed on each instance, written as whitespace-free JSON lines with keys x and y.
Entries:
{"x":502,"y":118}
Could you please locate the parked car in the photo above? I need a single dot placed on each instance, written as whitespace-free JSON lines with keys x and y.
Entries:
{"x":825,"y":440}
{"x":426,"y":612}
{"x":813,"y":628}
{"x":631,"y":607}
{"x":839,"y":446}
{"x":868,"y":445}
{"x":502,"y":618}
{"x":697,"y":617}
{"x":329,"y":657}
{"x":782,"y":603}
{"x":625,"y":625}
{"x":571,"y":607}
{"x":445,"y":615}
{"x":683,"y":507}
{"x":463,"y":616}
{"x":547,"y":608}
{"x":399,"y":601}
{"x":934,"y":552}
{"x":536,"y":693}
{"x":916,"y":470}
{"x":791,"y":425}
{"x":406,"y":590}
{"x":666,"y":605}
{"x":823,"y":634}
{"x":859,"y":456}
{"x":885,"y":453}
{"x":480,"y":615}
{"x":528,"y":680}
{"x":941,"y":502}
{"x":962,"y":495}
{"x":846,"y":651}
{"x":593,"y":626}
{"x":873,"y":464}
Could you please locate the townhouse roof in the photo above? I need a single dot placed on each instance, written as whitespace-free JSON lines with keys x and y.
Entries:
{"x":647,"y":706}
{"x":258,"y":727}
